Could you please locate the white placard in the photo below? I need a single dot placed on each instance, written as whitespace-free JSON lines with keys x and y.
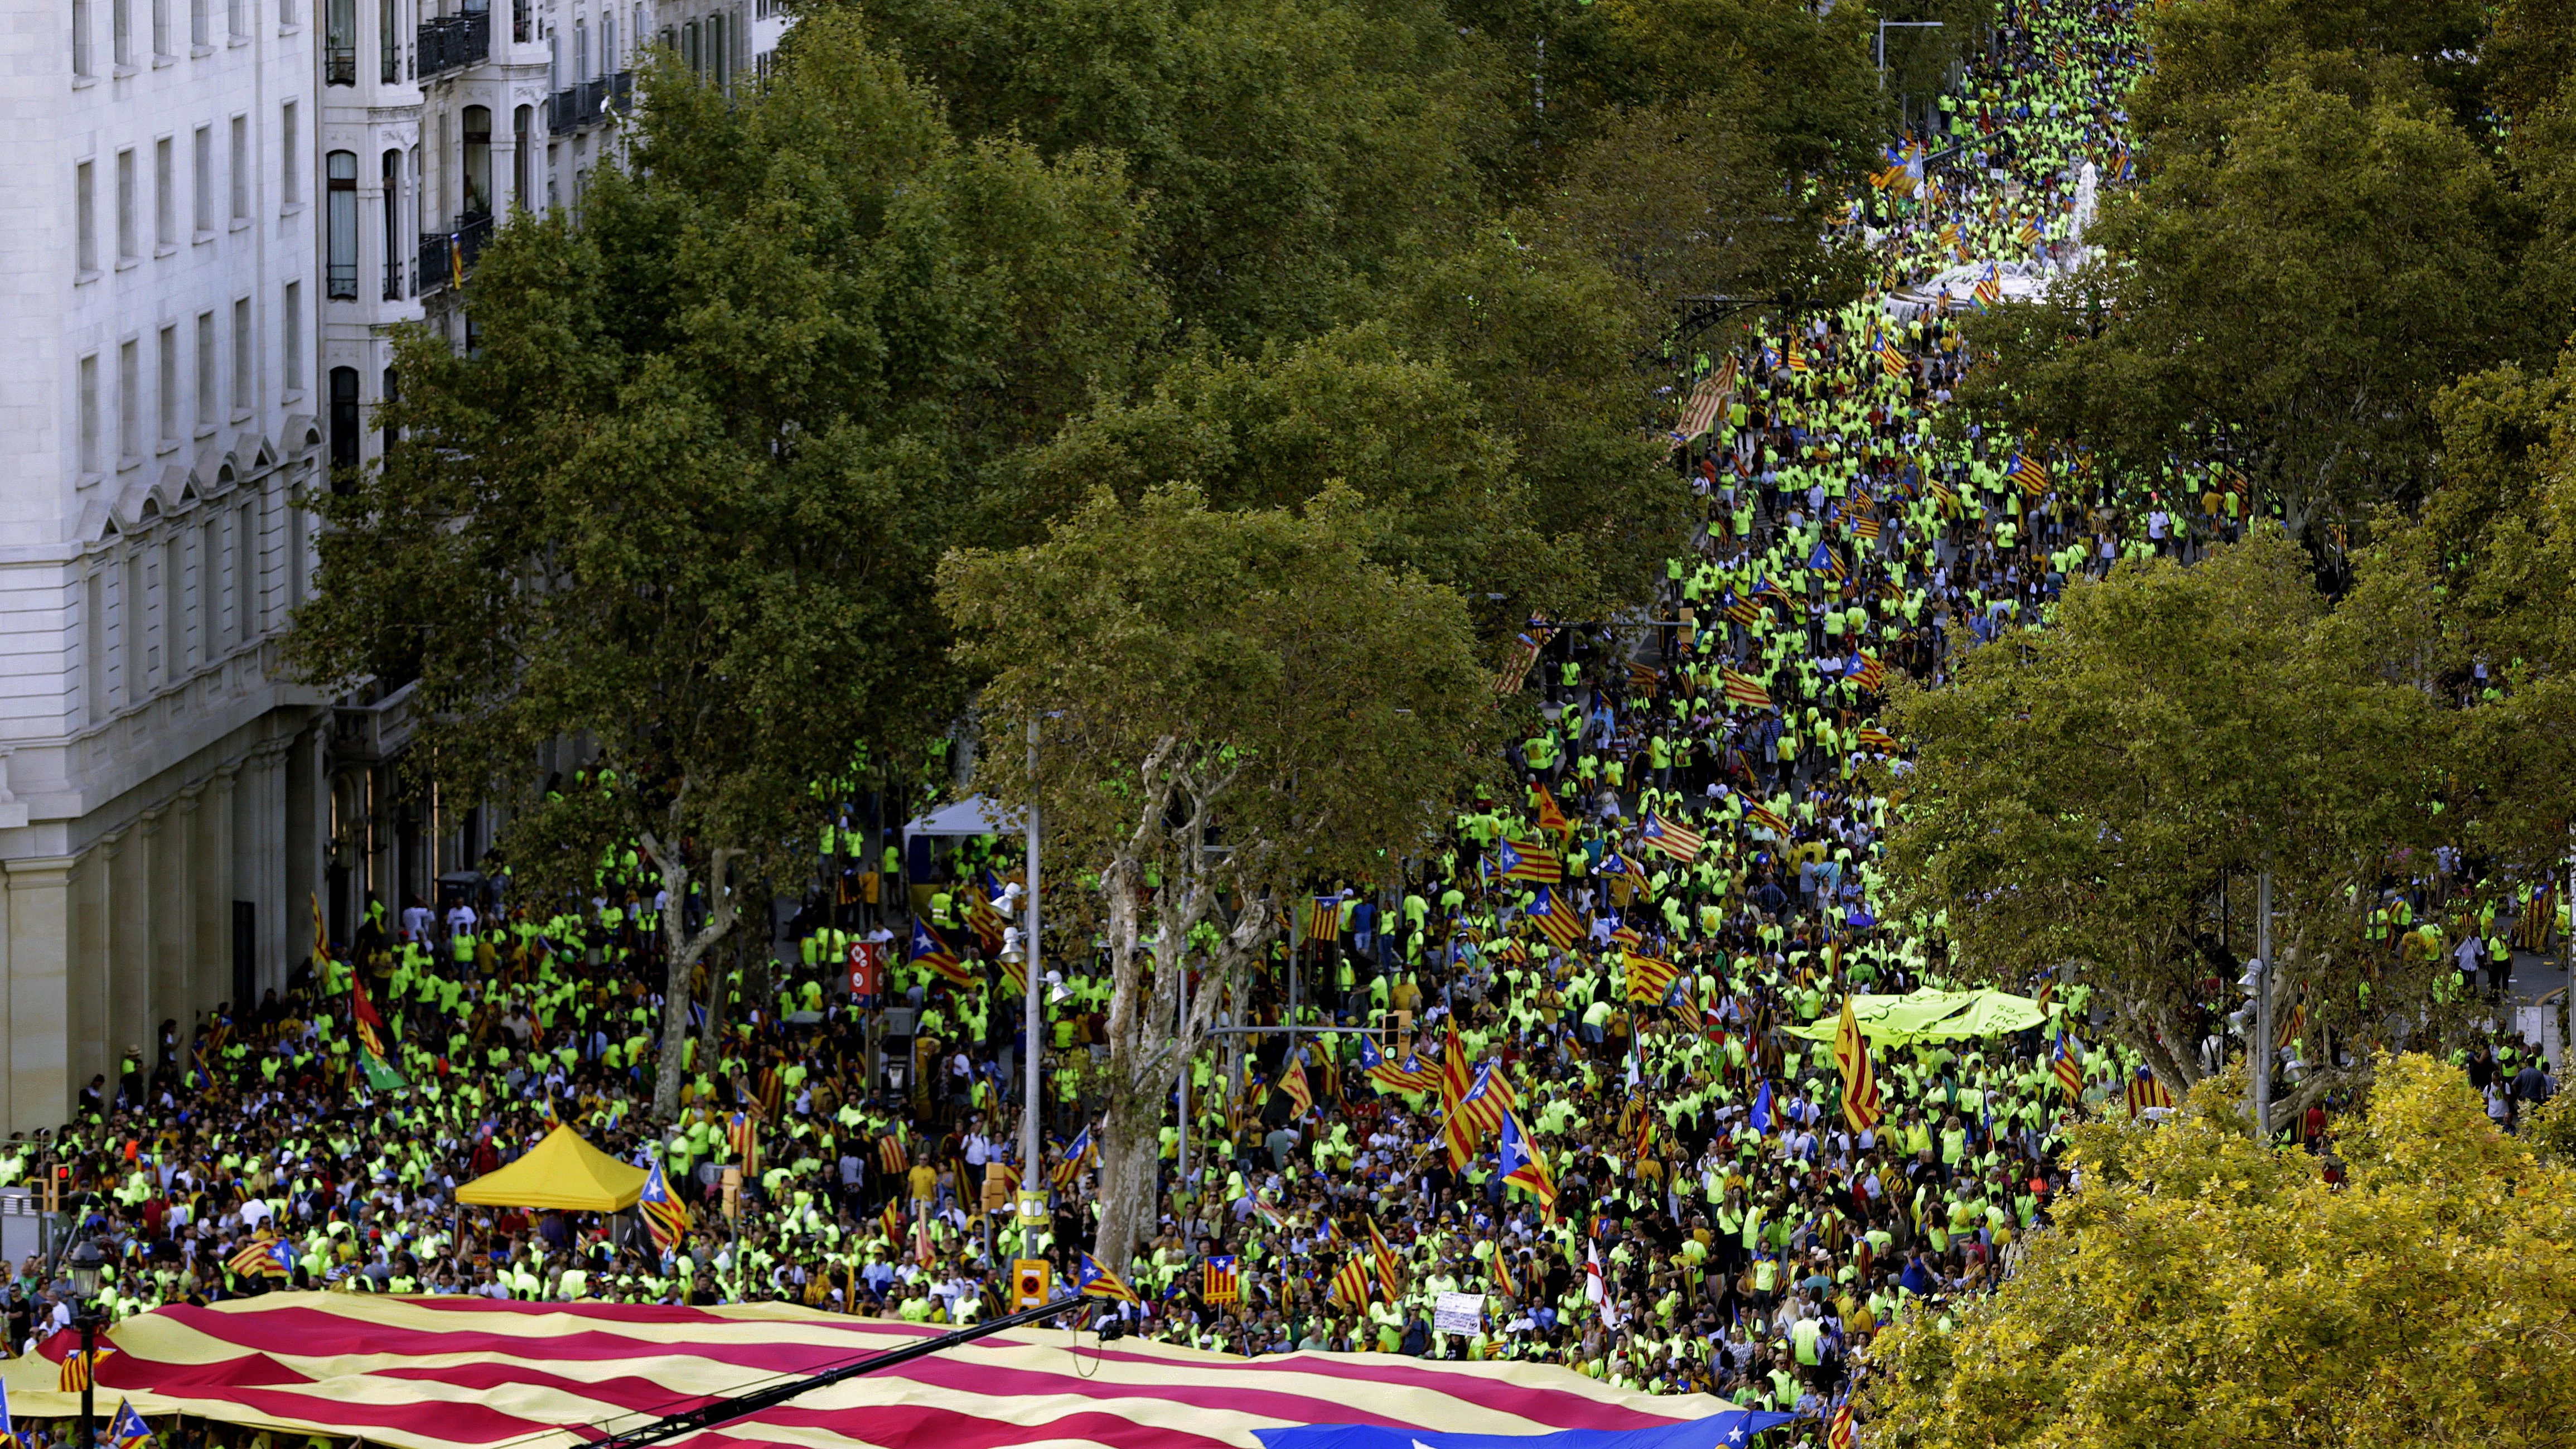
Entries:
{"x":1458,"y":1312}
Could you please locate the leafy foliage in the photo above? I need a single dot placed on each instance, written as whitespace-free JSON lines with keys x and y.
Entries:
{"x":685,"y":501}
{"x":1229,"y":705}
{"x":2079,"y":791}
{"x":2204,"y":1288}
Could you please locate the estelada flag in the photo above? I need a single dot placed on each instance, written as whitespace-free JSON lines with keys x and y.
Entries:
{"x":1324,"y":918}
{"x":1860,"y":1082}
{"x":1650,"y":978}
{"x":1763,"y":817}
{"x":127,"y":1430}
{"x":1742,"y":689}
{"x":1528,"y":860}
{"x":1671,"y":837}
{"x":262,"y":1257}
{"x":1098,"y":1282}
{"x":1872,"y":675}
{"x":1555,"y":919}
{"x":931,"y":949}
{"x":2145,"y":1091}
{"x":665,"y":1217}
{"x":2070,"y":1072}
{"x":981,"y":917}
{"x":1551,"y":819}
{"x":1217,"y":1281}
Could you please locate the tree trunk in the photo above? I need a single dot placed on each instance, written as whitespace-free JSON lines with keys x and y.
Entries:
{"x":1130,"y":1171}
{"x":683,"y":951}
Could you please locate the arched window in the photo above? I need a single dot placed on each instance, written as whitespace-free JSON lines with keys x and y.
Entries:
{"x":521,"y":120}
{"x":393,"y":226}
{"x":344,"y":420}
{"x":478,"y":160}
{"x":341,"y":173}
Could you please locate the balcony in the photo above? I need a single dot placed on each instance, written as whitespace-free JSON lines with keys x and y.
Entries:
{"x":343,"y":281}
{"x":393,"y":277}
{"x":576,"y":108}
{"x":446,"y":258}
{"x":621,"y":93}
{"x":454,"y":42}
{"x":339,"y":65}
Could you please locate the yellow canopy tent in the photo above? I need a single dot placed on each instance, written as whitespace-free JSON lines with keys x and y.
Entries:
{"x":561,"y":1172}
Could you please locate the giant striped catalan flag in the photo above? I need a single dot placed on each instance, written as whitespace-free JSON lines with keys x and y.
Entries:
{"x":473,"y":1373}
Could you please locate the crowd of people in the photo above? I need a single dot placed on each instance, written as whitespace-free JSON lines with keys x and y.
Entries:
{"x":1581,"y":1061}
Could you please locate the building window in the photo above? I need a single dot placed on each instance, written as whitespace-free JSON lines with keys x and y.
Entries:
{"x":165,"y":196}
{"x":341,"y":228}
{"x":478,"y":160}
{"x":393,"y":226}
{"x":138,"y":663}
{"x":161,"y":29}
{"x":388,"y":42}
{"x":245,"y":564}
{"x":340,"y":42}
{"x":241,"y":168}
{"x":205,"y":180}
{"x":237,"y":18}
{"x":290,"y":162}
{"x":85,"y":217}
{"x":94,"y":645}
{"x":121,"y":29}
{"x":607,"y":42}
{"x":174,"y":599}
{"x":580,"y":51}
{"x":82,"y":64}
{"x":344,"y":420}
{"x":129,"y":404}
{"x":245,"y":360}
{"x":200,"y":33}
{"x":169,"y":389}
{"x":206,"y":625}
{"x":209,"y":373}
{"x":291,"y":322}
{"x":393,"y":434}
{"x":521,"y":153}
{"x":127,"y":223}
{"x":89,"y":439}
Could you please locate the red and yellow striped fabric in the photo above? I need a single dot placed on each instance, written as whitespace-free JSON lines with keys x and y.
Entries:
{"x":469,"y":1373}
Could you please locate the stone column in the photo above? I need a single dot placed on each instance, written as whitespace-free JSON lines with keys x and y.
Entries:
{"x":211,"y":974}
{"x":39,"y":1004}
{"x":92,"y":882}
{"x":130,"y":944}
{"x":174,"y":919}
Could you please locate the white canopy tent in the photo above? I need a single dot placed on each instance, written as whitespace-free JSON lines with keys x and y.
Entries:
{"x":973,"y":815}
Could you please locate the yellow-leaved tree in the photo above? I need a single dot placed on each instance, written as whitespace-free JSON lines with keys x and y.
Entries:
{"x":2200,"y":1289}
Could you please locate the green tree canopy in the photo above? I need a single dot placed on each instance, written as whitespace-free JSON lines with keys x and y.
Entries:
{"x":1231,"y":707}
{"x":2079,"y":792}
{"x":2202,"y":1288}
{"x":684,"y":501}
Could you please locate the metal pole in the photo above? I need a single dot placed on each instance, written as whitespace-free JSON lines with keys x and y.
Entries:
{"x":89,"y":1376}
{"x":1181,"y":1147}
{"x":2258,"y":1056}
{"x":1035,"y":1016}
{"x":725,"y":1411}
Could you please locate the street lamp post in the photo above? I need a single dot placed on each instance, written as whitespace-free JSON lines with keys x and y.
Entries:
{"x":87,"y":1271}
